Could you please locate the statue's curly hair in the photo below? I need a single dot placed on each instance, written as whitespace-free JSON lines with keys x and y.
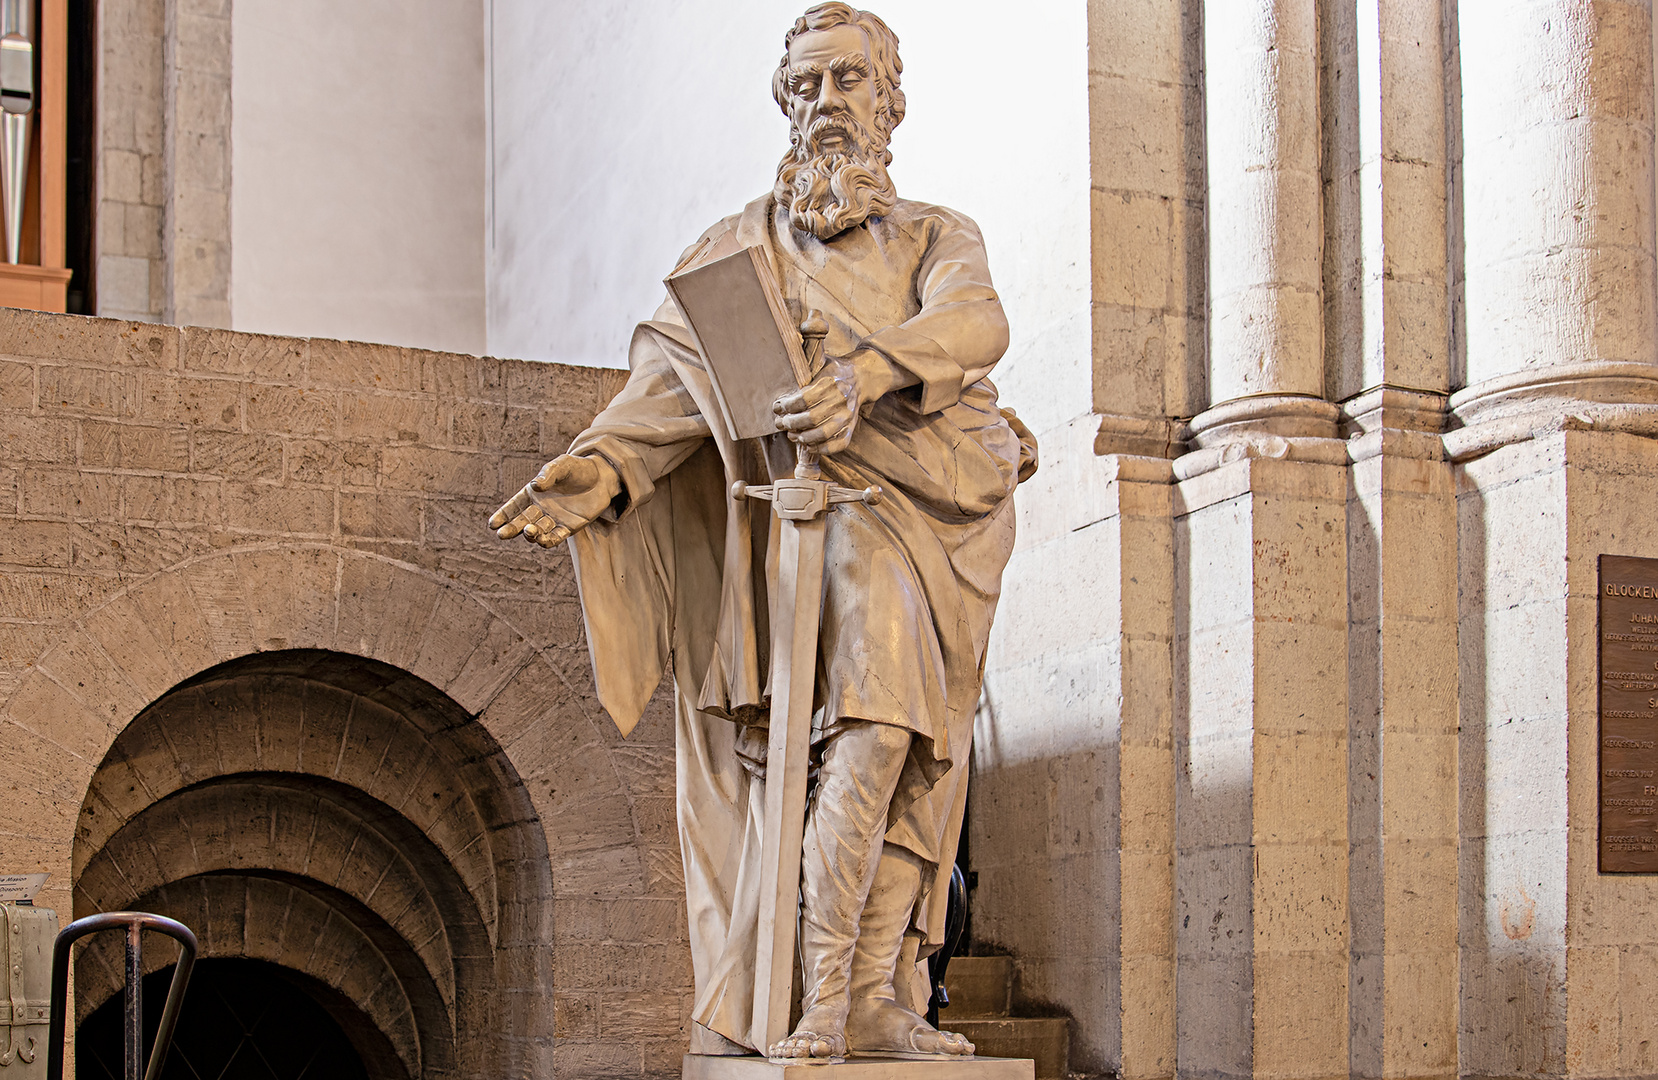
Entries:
{"x":883,"y":53}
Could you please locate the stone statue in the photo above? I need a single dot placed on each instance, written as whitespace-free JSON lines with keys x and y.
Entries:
{"x":673,"y":565}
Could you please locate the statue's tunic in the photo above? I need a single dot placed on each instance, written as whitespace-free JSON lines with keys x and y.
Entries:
{"x":677,"y":568}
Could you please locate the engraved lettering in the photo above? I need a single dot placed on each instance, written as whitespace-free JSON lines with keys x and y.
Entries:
{"x":1627,"y":636}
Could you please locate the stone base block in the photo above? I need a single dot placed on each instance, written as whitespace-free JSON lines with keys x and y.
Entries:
{"x":709,"y":1067}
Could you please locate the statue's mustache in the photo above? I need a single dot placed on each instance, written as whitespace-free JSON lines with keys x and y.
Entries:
{"x":856,"y":135}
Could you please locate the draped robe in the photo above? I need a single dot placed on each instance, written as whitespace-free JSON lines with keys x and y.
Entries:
{"x":676,"y":570}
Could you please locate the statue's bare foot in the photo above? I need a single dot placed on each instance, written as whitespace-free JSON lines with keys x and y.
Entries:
{"x":820,"y":1034}
{"x":884,"y":1026}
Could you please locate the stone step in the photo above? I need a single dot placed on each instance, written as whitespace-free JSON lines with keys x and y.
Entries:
{"x":1045,"y":1040}
{"x":979,"y":986}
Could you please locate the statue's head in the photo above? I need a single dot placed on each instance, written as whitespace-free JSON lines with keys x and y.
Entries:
{"x":838,"y":85}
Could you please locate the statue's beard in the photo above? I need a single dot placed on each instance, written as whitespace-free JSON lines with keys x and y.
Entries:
{"x":829,"y":191}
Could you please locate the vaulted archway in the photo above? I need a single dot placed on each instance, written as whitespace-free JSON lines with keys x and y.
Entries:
{"x":348,"y":822}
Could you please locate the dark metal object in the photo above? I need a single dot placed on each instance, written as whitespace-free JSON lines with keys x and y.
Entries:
{"x":1628,"y":761}
{"x":135,"y":923}
{"x":955,"y":919}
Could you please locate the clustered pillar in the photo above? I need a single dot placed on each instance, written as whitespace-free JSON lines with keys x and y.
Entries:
{"x":1346,"y":672}
{"x":1266,"y":328}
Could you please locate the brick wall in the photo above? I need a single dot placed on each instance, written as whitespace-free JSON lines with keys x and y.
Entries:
{"x":311,"y":494}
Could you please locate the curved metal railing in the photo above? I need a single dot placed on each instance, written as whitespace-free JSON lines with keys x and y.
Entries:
{"x":135,"y":923}
{"x":955,"y":920}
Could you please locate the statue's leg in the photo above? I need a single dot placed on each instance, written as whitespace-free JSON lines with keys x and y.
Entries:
{"x":861,"y":765}
{"x":878,"y":1021}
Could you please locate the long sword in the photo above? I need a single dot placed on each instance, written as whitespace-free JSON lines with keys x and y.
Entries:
{"x":799,"y":502}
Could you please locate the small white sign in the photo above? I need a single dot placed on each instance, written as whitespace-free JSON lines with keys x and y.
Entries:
{"x":21,"y":886}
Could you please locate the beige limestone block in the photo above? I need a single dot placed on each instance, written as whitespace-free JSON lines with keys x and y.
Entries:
{"x":383,"y":609}
{"x":1301,"y":1019}
{"x":42,"y":711}
{"x":1420,"y":1021}
{"x":79,"y":665}
{"x":1294,"y":800}
{"x":1592,"y":1011}
{"x":1300,"y":900}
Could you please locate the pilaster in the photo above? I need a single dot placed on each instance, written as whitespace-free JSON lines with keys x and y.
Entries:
{"x":1145,"y":569}
{"x":1402,"y":763}
{"x":1261,"y":734}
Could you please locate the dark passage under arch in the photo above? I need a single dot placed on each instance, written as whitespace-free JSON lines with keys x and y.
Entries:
{"x":244,"y":1020}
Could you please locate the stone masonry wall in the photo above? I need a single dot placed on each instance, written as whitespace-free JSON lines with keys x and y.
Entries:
{"x":174,"y":498}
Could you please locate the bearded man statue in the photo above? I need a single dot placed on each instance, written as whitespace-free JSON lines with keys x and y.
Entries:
{"x":673,"y":568}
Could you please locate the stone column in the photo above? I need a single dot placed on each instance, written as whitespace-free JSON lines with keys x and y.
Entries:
{"x":1391,"y":363}
{"x":1558,"y":178}
{"x":1266,"y":330}
{"x":1146,"y":175}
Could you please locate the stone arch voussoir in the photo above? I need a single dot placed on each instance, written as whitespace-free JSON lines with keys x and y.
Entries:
{"x":165,"y":629}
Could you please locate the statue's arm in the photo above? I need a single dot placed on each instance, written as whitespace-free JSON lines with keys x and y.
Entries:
{"x":950,"y":344}
{"x":960,"y":332}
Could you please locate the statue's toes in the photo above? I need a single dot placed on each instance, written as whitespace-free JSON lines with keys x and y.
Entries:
{"x":808,"y":1044}
{"x":929,"y":1041}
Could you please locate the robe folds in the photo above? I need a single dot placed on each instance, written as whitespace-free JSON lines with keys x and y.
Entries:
{"x":676,"y":570}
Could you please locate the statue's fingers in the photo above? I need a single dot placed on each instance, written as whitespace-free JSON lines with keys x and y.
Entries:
{"x":550,"y":474}
{"x":815,"y":436}
{"x":825,"y":411}
{"x":512,"y":508}
{"x":839,"y":441}
{"x":790,"y":403}
{"x":821,"y":389}
{"x":796,"y":421}
{"x":553,"y":537}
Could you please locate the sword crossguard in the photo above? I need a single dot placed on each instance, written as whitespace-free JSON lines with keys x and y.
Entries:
{"x":795,"y":499}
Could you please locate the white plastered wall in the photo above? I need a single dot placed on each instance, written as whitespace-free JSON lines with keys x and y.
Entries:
{"x":358,"y":159}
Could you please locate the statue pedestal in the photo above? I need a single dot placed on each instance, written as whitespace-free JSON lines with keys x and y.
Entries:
{"x":709,"y":1067}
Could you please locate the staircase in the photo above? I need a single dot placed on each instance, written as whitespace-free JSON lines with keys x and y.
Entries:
{"x":981,"y":1001}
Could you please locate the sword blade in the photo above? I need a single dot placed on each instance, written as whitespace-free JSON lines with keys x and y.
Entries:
{"x":796,"y":615}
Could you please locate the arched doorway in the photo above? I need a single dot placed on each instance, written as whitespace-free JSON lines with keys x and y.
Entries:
{"x":341,"y":827}
{"x":248,"y":1020}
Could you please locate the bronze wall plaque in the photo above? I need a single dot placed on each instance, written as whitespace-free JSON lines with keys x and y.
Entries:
{"x":1628,"y":715}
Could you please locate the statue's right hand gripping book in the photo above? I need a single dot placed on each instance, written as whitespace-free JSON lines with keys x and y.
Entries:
{"x":735,"y":311}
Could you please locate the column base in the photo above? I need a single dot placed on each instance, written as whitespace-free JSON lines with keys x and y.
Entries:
{"x":1597,"y":395}
{"x":1284,"y":415}
{"x":1140,"y":436}
{"x":709,"y":1067}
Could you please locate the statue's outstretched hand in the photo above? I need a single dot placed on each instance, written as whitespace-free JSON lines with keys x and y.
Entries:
{"x":568,"y":493}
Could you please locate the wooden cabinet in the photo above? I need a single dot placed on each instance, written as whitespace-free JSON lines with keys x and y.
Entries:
{"x":40,"y":281}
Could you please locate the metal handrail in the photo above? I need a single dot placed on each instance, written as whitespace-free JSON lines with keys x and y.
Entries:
{"x":955,"y":920}
{"x":135,"y":923}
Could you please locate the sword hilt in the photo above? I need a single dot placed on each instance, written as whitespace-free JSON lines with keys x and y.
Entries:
{"x":812,"y":332}
{"x":797,"y":499}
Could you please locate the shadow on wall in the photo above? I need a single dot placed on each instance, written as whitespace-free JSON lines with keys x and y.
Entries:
{"x":349,"y":823}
